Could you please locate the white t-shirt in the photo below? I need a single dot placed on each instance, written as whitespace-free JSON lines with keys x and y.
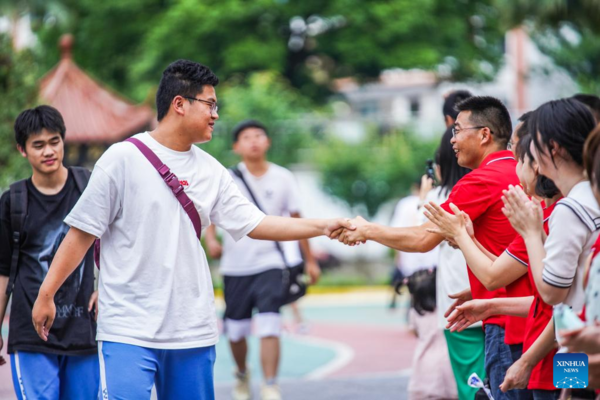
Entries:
{"x":406,"y":215}
{"x":277,"y":193}
{"x":155,"y":288}
{"x":573,"y":228}
{"x":451,"y":275}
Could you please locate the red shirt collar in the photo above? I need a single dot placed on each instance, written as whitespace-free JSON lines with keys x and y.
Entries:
{"x":497,"y":156}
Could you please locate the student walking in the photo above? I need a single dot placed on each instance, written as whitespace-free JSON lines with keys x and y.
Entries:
{"x":148,"y":200}
{"x":252,"y":269}
{"x":65,"y":365}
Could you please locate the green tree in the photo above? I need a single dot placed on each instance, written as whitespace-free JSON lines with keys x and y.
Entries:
{"x":267,"y":97}
{"x":310,"y":43}
{"x":378,"y":169}
{"x":551,"y":13}
{"x":576,"y":50}
{"x":566,"y":31}
{"x":19,"y":91}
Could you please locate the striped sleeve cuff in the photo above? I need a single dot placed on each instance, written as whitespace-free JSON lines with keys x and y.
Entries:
{"x":556,"y":280}
{"x":516,"y":258}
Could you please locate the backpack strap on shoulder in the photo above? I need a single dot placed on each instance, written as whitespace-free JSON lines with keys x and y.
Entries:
{"x":81,"y":176}
{"x":18,"y":213}
{"x":236,"y":171}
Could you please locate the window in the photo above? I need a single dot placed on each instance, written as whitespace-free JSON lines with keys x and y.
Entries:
{"x":415,"y":107}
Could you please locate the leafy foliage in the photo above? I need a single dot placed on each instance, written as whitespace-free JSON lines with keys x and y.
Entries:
{"x":19,"y":91}
{"x":277,"y":60}
{"x":268,"y":98}
{"x":368,"y":174}
{"x":309,"y":43}
{"x":577,"y":51}
{"x":566,"y":31}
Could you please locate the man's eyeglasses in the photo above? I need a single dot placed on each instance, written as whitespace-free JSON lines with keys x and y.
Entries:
{"x":213,"y":106}
{"x":457,"y":131}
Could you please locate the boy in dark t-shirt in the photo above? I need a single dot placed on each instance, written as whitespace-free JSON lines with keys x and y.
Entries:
{"x":66,"y":366}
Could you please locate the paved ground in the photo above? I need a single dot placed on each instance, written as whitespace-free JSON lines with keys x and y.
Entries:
{"x":363,"y":350}
{"x":365,"y":388}
{"x":355,"y":349}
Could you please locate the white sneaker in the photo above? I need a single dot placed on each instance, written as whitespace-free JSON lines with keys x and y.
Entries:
{"x":241,"y":390}
{"x":270,"y":392}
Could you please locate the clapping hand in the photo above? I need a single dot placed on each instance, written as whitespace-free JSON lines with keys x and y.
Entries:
{"x":448,"y":225}
{"x":459,"y":299}
{"x":467,"y":314}
{"x":525,"y":215}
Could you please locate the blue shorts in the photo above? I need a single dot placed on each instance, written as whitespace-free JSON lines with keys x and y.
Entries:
{"x":43,"y":376}
{"x":128,"y":372}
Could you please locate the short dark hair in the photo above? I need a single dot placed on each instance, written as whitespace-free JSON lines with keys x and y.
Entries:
{"x":524,"y":128}
{"x":544,"y":187}
{"x":182,"y":78}
{"x":567,"y":122}
{"x":247,"y":124}
{"x":591,"y":157}
{"x":592,"y":102}
{"x":452,"y":100}
{"x":445,"y":157}
{"x":523,"y":148}
{"x":32,"y":121}
{"x":490,"y":112}
{"x":421,"y":286}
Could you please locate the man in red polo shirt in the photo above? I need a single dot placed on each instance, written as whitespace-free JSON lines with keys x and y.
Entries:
{"x":481,"y":134}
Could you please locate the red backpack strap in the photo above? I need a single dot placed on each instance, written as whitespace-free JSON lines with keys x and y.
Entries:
{"x":172,"y":182}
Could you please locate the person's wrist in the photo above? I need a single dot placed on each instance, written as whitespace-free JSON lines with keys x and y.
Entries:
{"x":311,"y":263}
{"x":45,"y":294}
{"x":491,"y":309}
{"x":527,"y":361}
{"x":531,"y":234}
{"x":461,"y":236}
{"x":211,"y":241}
{"x":370,"y":231}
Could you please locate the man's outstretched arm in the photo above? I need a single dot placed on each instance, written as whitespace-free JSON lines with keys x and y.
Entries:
{"x":414,"y":239}
{"x":282,"y":228}
{"x":311,"y":267}
{"x":69,"y":255}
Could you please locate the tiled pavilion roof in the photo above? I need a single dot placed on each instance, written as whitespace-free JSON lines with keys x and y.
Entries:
{"x":92,"y":113}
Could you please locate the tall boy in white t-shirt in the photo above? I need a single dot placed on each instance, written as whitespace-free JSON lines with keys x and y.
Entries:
{"x":252,"y":269}
{"x":157,"y":322}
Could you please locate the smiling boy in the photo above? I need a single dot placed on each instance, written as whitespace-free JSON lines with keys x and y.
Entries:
{"x":65,"y":366}
{"x":157,"y":322}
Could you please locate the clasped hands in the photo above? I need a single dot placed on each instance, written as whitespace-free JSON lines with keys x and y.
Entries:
{"x":355,"y":235}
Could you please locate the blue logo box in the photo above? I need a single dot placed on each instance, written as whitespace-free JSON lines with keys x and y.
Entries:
{"x":570,"y":370}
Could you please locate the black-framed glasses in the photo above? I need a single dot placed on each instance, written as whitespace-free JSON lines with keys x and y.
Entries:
{"x":214,"y":108}
{"x":457,"y":131}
